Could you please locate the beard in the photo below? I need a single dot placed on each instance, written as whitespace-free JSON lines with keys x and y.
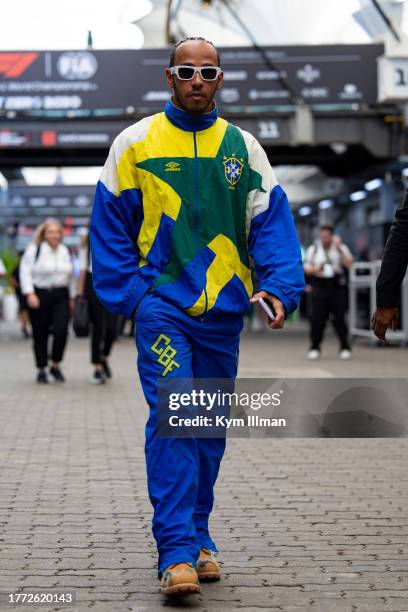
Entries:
{"x":183,"y":102}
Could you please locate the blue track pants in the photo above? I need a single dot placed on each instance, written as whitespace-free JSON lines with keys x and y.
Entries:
{"x":181,"y":472}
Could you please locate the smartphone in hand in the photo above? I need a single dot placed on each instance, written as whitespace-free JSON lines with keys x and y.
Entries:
{"x":267,"y":307}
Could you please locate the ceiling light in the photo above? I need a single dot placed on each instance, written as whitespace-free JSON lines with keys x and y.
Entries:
{"x":339,"y":148}
{"x":373,"y":184}
{"x":358,"y":195}
{"x":65,"y":176}
{"x":88,"y":175}
{"x":325,"y":204}
{"x":39,"y":176}
{"x":304,"y":211}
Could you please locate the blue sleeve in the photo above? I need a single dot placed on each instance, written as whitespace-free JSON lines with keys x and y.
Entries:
{"x":114,"y":228}
{"x":274,"y":246}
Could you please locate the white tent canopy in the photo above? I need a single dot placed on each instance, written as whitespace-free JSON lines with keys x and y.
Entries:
{"x":275,"y":22}
{"x":46,"y":24}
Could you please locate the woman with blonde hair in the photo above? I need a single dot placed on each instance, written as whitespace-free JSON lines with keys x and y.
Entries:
{"x":46,"y":281}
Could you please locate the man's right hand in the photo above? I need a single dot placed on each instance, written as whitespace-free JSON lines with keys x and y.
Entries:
{"x":382,"y":319}
{"x":33,"y":301}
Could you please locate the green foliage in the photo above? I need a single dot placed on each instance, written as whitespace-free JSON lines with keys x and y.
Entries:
{"x":10,"y":261}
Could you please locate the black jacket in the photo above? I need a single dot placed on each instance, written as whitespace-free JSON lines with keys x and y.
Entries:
{"x":395,"y":259}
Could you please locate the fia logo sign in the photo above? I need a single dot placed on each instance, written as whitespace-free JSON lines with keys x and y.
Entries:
{"x":77,"y":65}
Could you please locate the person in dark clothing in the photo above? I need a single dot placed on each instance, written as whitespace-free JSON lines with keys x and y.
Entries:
{"x":324,"y":265}
{"x":104,"y":325}
{"x":393,"y":269}
{"x":22,"y":301}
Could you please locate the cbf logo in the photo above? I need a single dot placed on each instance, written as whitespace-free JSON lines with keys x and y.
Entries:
{"x":233,"y":168}
{"x":165,"y":352}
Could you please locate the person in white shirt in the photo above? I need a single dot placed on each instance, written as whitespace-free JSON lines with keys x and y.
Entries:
{"x":103,"y":323}
{"x":325,"y":264}
{"x":46,"y":281}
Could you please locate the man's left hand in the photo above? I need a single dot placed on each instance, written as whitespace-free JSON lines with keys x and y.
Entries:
{"x":382,"y":319}
{"x":278,"y":307}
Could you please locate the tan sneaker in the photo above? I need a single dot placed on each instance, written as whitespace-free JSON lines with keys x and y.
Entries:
{"x":207,"y":567}
{"x":180,"y":579}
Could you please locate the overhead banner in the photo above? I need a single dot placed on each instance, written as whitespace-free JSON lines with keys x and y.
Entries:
{"x":114,"y":83}
{"x":100,"y":135}
{"x":79,"y":134}
{"x":51,"y":200}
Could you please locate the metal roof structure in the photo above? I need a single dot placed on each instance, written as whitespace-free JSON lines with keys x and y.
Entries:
{"x":243,"y":23}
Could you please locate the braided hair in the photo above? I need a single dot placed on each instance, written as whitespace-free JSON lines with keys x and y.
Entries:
{"x":180,"y":42}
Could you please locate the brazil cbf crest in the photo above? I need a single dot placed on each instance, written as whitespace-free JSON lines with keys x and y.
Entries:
{"x":233,"y":168}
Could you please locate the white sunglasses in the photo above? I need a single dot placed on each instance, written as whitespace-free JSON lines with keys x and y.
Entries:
{"x":186,"y":73}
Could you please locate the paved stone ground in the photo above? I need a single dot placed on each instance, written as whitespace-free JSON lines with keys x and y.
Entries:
{"x":306,"y":524}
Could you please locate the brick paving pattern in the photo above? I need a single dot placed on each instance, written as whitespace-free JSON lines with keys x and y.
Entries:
{"x":305,"y":524}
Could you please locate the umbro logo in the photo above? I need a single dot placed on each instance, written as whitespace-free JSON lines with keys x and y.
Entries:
{"x":172,"y":167}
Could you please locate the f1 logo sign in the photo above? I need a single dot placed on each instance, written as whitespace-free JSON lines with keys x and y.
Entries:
{"x":12,"y":65}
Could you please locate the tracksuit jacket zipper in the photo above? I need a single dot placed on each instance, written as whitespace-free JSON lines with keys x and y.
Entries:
{"x":196,"y":205}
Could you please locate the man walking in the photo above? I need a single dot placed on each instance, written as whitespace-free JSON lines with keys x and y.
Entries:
{"x":325,"y":262}
{"x":393,"y":270}
{"x":185,"y":198}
